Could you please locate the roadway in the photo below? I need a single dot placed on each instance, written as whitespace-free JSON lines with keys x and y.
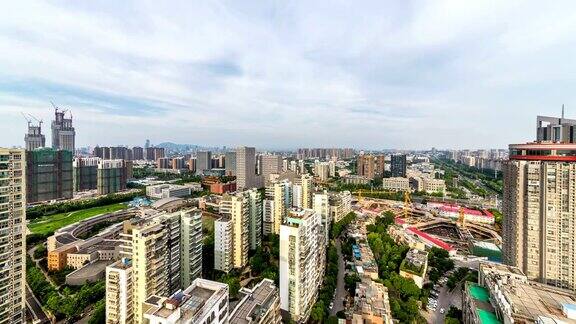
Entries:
{"x":341,"y":293}
{"x":34,"y":306}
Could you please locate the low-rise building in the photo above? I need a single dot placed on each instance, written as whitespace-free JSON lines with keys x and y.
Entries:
{"x":105,"y":251}
{"x":396,"y":184}
{"x":371,"y":304}
{"x":259,"y":305}
{"x":355,"y":180}
{"x":166,"y":190}
{"x":414,"y":266}
{"x":470,"y":215}
{"x":364,"y":261}
{"x":432,"y":185}
{"x":203,"y":302}
{"x":221,"y":188}
{"x":504,"y":294}
{"x":57,"y":258}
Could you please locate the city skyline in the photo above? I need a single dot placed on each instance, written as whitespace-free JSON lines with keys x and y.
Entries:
{"x":280,"y":76}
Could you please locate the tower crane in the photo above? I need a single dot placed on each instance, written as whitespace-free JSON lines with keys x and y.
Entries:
{"x":407,"y":204}
{"x":27,"y":118}
{"x":462,"y":217}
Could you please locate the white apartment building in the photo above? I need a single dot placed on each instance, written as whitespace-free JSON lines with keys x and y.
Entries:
{"x":332,"y":168}
{"x":203,"y":302}
{"x":223,"y":244}
{"x":340,"y":205}
{"x":322,"y":170}
{"x":322,"y":208}
{"x":191,"y":246}
{"x":119,"y":293}
{"x":13,"y":235}
{"x":254,"y":218}
{"x":268,"y":216}
{"x":297,"y":196}
{"x":302,"y":258}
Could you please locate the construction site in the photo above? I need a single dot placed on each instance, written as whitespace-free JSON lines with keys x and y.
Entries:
{"x":457,"y":229}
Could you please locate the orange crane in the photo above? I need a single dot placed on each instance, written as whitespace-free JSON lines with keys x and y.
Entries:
{"x":462,"y":217}
{"x":407,"y":204}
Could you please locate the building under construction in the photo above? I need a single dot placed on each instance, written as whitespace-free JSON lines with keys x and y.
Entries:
{"x":85,"y":173}
{"x":48,"y":175}
{"x":112,"y":176}
{"x":34,"y":138}
{"x":63,"y":133}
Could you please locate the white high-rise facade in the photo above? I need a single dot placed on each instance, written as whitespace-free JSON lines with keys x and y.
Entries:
{"x":223,"y":244}
{"x":322,"y":208}
{"x":119,"y":292}
{"x":302,"y":258}
{"x":191,"y":246}
{"x":12,"y":235}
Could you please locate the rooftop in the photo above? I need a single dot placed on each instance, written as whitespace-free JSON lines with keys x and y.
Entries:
{"x":372,"y":299}
{"x":193,"y":303}
{"x":439,"y":243}
{"x":481,"y":303}
{"x":255,"y":303}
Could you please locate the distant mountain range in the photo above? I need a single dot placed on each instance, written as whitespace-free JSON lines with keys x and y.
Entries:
{"x":178,"y":147}
{"x":173,"y":147}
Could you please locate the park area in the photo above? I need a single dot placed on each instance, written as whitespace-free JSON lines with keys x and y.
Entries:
{"x":46,"y":225}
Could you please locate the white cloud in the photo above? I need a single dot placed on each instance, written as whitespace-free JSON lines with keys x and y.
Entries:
{"x":375,"y":74}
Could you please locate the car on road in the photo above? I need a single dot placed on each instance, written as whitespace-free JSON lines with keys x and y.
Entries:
{"x":441,"y":310}
{"x":331,"y":305}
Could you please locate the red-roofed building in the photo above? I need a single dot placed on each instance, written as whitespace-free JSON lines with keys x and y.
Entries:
{"x":471,"y":215}
{"x":430,"y":240}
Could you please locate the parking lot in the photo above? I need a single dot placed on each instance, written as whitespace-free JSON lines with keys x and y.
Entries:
{"x":440,"y":301}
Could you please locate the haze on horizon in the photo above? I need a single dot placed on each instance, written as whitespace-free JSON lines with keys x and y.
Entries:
{"x":287,"y":74}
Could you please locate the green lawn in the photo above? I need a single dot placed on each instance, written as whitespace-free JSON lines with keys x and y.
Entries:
{"x":48,"y":224}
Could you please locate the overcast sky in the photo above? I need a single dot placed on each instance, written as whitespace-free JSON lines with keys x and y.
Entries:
{"x":285,"y":74}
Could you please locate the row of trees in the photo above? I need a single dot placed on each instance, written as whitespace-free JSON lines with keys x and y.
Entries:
{"x":264,"y":262}
{"x":68,"y":305}
{"x":70,"y":206}
{"x":403,"y":293}
{"x":338,"y":227}
{"x":439,"y":263}
{"x":320,"y":311}
{"x":488,"y":178}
